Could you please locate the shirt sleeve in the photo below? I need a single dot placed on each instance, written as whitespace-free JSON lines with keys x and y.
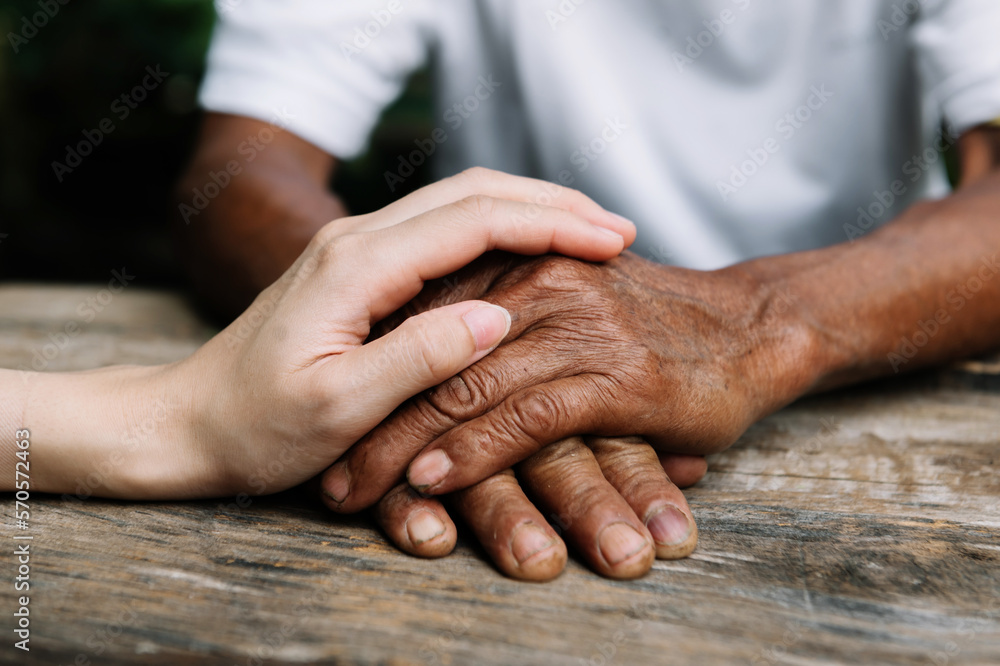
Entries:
{"x":322,"y":69}
{"x":957,"y":45}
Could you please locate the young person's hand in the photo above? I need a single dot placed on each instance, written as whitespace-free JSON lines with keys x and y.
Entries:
{"x":283,"y":391}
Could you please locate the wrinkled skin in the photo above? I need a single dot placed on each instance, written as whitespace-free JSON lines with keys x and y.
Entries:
{"x":626,"y":347}
{"x":621,"y":348}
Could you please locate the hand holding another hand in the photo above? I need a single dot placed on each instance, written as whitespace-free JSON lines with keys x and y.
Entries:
{"x":682,"y":358}
{"x":291,"y":379}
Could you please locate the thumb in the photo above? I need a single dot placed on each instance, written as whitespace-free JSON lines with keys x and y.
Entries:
{"x":424,"y":351}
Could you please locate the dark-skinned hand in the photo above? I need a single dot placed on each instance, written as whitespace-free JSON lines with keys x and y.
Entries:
{"x":617,"y":348}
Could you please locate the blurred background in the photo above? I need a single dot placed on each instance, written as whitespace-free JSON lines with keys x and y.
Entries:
{"x":66,"y":216}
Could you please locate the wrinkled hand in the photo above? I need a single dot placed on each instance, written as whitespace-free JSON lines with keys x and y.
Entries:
{"x":561,"y":309}
{"x":605,"y":496}
{"x":686,"y":359}
{"x":291,"y":384}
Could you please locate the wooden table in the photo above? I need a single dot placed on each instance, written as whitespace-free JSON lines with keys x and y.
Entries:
{"x":859,"y":527}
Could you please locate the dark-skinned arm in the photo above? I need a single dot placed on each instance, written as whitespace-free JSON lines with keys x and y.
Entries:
{"x":923,"y":290}
{"x":689,"y":359}
{"x":261,"y":220}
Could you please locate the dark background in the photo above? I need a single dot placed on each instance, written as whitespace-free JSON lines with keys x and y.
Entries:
{"x":60,"y":76}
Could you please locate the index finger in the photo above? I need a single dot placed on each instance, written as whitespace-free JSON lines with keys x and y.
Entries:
{"x":498,"y":185}
{"x":390,"y":265}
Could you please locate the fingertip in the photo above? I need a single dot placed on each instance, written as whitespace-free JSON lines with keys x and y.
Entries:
{"x":427,"y":535}
{"x":489,"y":325}
{"x":625,"y":228}
{"x":416,"y":525}
{"x":678,"y":551}
{"x":674,"y":532}
{"x":627,"y":552}
{"x":539,"y":554}
{"x":336,"y":484}
{"x":684,"y":470}
{"x":428,"y":471}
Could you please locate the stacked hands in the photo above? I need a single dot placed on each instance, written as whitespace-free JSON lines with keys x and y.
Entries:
{"x":594,"y":389}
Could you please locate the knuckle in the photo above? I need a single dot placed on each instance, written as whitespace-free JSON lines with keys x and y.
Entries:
{"x":558,"y":456}
{"x":474,"y":178}
{"x":477,"y":207}
{"x":463,"y":396}
{"x":420,"y":355}
{"x":560,"y":274}
{"x":424,"y":421}
{"x":326,"y":234}
{"x":631,"y":465}
{"x":419,"y":347}
{"x":341,"y":247}
{"x":566,"y":470}
{"x":397,"y":504}
{"x":537,"y":410}
{"x":575,"y":199}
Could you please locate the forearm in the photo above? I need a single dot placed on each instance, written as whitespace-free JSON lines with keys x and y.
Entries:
{"x":240,"y":240}
{"x":115,"y":432}
{"x":922,"y":290}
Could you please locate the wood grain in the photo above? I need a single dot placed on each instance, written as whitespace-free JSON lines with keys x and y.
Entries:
{"x":859,"y":527}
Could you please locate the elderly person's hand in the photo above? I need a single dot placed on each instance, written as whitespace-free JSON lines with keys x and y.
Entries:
{"x":573,"y":320}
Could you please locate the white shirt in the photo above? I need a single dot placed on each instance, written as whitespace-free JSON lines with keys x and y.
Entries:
{"x":726,"y":129}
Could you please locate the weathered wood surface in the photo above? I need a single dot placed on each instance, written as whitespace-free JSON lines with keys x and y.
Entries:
{"x":861,"y":527}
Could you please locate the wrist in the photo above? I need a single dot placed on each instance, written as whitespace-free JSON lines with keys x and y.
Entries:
{"x":115,"y":432}
{"x":786,"y":354}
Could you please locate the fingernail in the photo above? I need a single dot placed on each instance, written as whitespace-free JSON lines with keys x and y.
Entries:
{"x":619,"y":542}
{"x":489,"y":325}
{"x":669,"y":526}
{"x":423,"y":526}
{"x":429,"y":469}
{"x":337,"y":484}
{"x":624,"y":219}
{"x":612,"y":233}
{"x":528,"y":541}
